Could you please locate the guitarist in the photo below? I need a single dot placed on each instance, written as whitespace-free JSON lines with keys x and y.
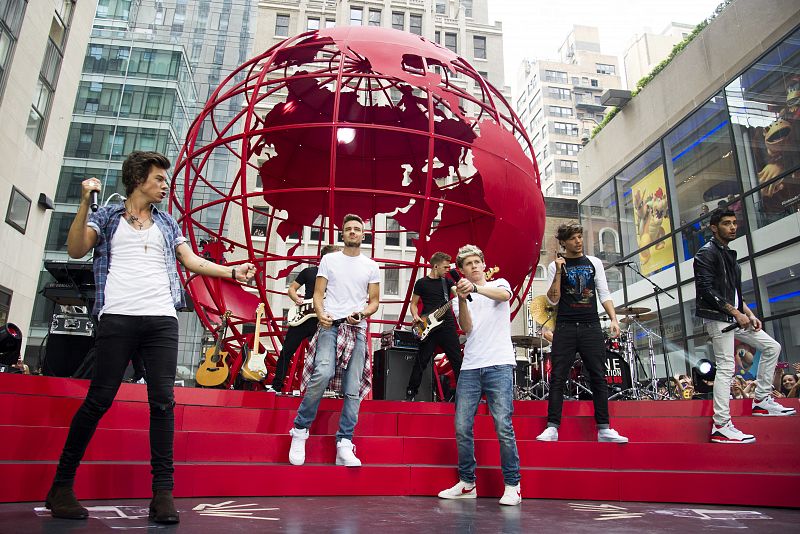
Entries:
{"x":435,"y":291}
{"x":296,"y":334}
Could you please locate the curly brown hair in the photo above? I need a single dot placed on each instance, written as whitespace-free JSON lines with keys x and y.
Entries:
{"x":137,"y":165}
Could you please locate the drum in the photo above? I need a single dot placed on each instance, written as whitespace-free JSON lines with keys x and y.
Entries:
{"x":613,"y":344}
{"x":617,"y":371}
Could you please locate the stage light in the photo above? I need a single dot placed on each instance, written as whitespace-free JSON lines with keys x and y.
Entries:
{"x":703,"y":372}
{"x":10,"y":343}
{"x":345,"y":135}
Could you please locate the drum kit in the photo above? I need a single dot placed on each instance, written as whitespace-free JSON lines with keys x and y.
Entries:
{"x":623,"y":364}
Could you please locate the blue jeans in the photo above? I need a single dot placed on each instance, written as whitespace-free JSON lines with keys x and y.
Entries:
{"x":324,"y":369}
{"x":497,"y":383}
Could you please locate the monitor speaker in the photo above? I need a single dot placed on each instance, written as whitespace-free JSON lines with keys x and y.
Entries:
{"x":390,"y":373}
{"x":65,"y":353}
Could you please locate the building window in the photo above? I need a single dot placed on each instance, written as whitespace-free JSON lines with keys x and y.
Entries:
{"x":540,"y":274}
{"x":282,"y":25}
{"x":567,"y":167}
{"x":11,"y":13}
{"x":451,"y":42}
{"x":410,"y":238}
{"x":467,"y":8}
{"x":313,"y":23}
{"x":330,"y":23}
{"x":259,"y":221}
{"x":594,"y":83}
{"x":5,"y":304}
{"x":570,"y":188}
{"x":549,"y":191}
{"x":548,"y":171}
{"x":559,"y":111}
{"x":441,"y":7}
{"x":391,"y":281}
{"x":555,"y":76}
{"x":19,"y":206}
{"x":398,"y":20}
{"x":374,"y":17}
{"x":567,"y":149}
{"x":479,"y":44}
{"x":565,"y":128}
{"x":392,"y":233}
{"x":415,"y":24}
{"x":559,"y":93}
{"x":356,"y":16}
{"x":606,"y":69}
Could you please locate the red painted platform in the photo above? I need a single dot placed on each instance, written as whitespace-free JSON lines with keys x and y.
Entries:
{"x":235,"y":443}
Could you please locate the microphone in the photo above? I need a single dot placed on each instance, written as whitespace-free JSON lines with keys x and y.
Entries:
{"x":456,"y":277}
{"x":623,"y":263}
{"x":734,"y":326}
{"x":93,"y":205}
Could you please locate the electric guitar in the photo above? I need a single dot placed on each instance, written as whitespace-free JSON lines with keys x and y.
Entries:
{"x":434,"y":320}
{"x":254,"y":368}
{"x":214,"y":369}
{"x":300,"y":313}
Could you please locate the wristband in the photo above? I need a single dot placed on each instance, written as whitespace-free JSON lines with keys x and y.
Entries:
{"x":233,"y":273}
{"x":474,"y":288}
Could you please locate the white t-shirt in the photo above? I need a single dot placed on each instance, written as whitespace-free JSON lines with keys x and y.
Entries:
{"x":489,"y":341}
{"x":138,"y":283}
{"x":348,"y":282}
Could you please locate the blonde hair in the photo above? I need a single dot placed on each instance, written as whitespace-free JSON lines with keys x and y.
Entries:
{"x":465,"y":252}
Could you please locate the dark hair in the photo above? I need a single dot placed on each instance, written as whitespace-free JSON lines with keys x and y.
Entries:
{"x":327,"y":249}
{"x":352,"y":217}
{"x":439,"y":257}
{"x":567,"y":230}
{"x":136,"y":168}
{"x":719,"y":214}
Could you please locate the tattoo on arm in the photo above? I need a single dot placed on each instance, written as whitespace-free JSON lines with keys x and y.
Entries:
{"x":730,"y":309}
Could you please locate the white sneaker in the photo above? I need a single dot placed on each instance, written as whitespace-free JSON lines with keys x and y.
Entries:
{"x":728,"y":433}
{"x":769,"y":407}
{"x":269,"y":389}
{"x":610,"y":435}
{"x":297,"y":450}
{"x":346,"y":454}
{"x":462,"y":490}
{"x":512,"y":496}
{"x":550,"y":434}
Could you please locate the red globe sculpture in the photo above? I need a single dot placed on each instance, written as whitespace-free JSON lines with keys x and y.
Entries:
{"x":362,"y":120}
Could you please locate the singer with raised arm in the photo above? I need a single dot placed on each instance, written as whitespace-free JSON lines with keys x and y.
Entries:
{"x":719,"y":302}
{"x":136,"y":246}
{"x":576,"y":281}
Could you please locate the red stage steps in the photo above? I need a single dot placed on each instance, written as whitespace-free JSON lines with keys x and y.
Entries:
{"x":234,"y":443}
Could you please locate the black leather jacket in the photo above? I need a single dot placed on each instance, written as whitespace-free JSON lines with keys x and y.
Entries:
{"x":712,"y":282}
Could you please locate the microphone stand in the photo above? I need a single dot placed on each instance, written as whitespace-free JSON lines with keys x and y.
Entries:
{"x":657,"y":289}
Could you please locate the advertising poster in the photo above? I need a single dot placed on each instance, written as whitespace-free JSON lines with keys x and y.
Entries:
{"x":651,"y":217}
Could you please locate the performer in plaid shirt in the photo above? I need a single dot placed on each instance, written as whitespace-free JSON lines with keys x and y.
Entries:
{"x":138,"y":290}
{"x":346,"y":293}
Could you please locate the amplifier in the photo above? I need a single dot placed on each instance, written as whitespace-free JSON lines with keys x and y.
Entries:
{"x":72,"y":325}
{"x":399,"y":339}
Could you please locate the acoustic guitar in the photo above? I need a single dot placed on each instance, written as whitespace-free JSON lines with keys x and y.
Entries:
{"x":214,"y":369}
{"x":434,"y":320}
{"x":254,"y":368}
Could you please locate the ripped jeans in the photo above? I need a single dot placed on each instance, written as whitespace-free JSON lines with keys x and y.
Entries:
{"x":119,"y":337}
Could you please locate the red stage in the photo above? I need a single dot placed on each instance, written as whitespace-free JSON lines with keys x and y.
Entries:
{"x":235,"y":443}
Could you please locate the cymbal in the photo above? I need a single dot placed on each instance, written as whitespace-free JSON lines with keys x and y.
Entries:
{"x":630,"y":310}
{"x":643,"y":317}
{"x":543,"y":312}
{"x":529,"y":342}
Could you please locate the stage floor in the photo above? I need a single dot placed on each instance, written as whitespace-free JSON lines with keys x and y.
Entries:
{"x":351,"y":515}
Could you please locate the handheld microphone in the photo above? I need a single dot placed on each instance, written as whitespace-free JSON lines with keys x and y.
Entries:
{"x":456,"y":277}
{"x":734,"y":326}
{"x":93,"y":205}
{"x":623,"y":263}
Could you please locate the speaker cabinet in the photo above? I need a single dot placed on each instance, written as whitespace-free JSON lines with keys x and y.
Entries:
{"x":390,"y":373}
{"x":65,"y":353}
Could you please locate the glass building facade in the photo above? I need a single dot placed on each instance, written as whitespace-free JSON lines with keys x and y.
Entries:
{"x":740,"y":150}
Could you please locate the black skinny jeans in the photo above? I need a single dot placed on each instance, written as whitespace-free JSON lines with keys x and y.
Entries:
{"x":445,"y":337}
{"x":294,"y":336}
{"x":155,"y":339}
{"x":587,"y":339}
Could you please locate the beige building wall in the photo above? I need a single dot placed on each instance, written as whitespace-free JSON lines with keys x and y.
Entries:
{"x":31,"y":168}
{"x":647,"y":50}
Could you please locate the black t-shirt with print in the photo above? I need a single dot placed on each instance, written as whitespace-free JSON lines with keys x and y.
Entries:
{"x":307,"y":278}
{"x":431,"y":292}
{"x":578,"y":301}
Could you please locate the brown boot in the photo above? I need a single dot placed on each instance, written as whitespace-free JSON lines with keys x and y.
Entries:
{"x":61,"y":502}
{"x":162,"y":507}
